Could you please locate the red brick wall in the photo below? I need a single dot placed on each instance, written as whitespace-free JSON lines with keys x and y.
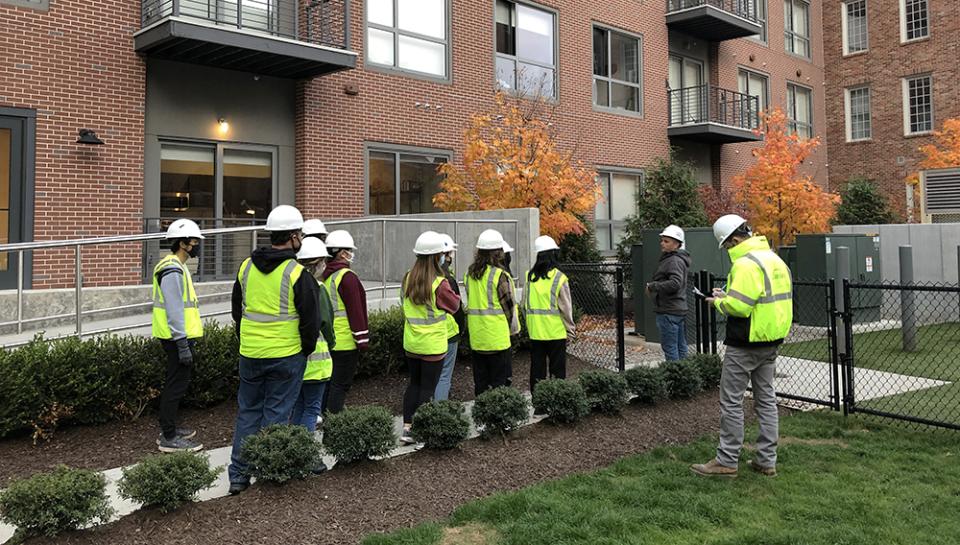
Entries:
{"x":882,"y":67}
{"x":75,"y":65}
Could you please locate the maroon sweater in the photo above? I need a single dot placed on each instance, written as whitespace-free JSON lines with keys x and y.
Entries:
{"x":354,"y":300}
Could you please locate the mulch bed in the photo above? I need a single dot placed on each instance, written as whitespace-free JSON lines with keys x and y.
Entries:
{"x":343,"y":505}
{"x":117,"y":444}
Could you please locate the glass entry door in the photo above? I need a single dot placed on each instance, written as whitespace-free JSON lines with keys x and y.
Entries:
{"x":686,"y":90}
{"x":12,"y":185}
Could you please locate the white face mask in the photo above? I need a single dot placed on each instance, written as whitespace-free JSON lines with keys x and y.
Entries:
{"x":349,"y":255}
{"x":443,"y":260}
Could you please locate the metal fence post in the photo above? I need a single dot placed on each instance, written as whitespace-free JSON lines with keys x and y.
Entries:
{"x":621,"y":342}
{"x":841,"y":319}
{"x":78,"y":291}
{"x":20,"y":291}
{"x":908,"y":302}
{"x":832,"y":341}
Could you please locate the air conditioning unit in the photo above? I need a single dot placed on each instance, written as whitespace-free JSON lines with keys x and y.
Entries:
{"x":941,"y":195}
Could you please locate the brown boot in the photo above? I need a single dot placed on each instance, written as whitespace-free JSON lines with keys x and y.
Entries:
{"x":714,"y":469}
{"x":763,"y":470}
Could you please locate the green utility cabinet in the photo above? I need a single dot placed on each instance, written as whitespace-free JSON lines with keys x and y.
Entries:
{"x":705,"y":255}
{"x":816,"y":261}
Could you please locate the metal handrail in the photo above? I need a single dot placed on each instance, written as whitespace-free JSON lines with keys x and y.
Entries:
{"x":745,"y":9}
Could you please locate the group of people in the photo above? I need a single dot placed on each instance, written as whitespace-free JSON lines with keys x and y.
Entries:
{"x":300,"y":314}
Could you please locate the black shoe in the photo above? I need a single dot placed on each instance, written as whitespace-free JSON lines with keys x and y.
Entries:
{"x":236,"y":488}
{"x":320,"y":468}
{"x":182,"y":433}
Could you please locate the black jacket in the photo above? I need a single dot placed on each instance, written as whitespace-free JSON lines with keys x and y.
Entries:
{"x":305,"y":296}
{"x":669,"y":284}
{"x":459,"y":315}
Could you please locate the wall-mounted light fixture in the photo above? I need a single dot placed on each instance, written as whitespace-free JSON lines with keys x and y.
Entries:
{"x":87,"y":136}
{"x":223,"y":126}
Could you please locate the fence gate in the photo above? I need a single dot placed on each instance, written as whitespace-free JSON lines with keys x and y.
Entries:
{"x":598,"y":307}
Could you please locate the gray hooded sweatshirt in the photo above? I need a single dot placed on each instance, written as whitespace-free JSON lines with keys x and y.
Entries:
{"x":669,"y":285}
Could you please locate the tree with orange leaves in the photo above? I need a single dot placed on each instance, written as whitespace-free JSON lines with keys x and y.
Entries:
{"x":511,"y":160}
{"x":780,"y":201}
{"x":944,"y":153}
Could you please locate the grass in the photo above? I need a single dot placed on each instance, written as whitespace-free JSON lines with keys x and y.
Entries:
{"x":842,"y":481}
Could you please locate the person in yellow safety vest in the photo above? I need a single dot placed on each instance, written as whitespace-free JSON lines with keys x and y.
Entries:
{"x":350,"y":323}
{"x":490,"y":312}
{"x":427,"y":300}
{"x":548,"y":312}
{"x":758,"y":304}
{"x":314,"y":229}
{"x":275,"y":308}
{"x":176,"y":322}
{"x":456,"y":322}
{"x":307,"y":409}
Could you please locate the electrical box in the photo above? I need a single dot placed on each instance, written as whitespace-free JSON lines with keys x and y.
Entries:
{"x":816,"y":261}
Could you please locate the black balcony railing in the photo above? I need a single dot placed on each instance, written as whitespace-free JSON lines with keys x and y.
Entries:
{"x":746,"y":9}
{"x":709,"y":104}
{"x":320,"y":22}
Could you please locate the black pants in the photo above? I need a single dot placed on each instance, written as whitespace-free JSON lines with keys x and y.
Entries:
{"x":540,"y":352}
{"x":344,"y":369}
{"x":491,"y":370}
{"x":424,"y":376}
{"x":174,"y":387}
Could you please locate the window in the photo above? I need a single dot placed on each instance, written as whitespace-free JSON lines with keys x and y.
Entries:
{"x":526,"y":49}
{"x":403,"y":180}
{"x":757,"y":85}
{"x":619,"y":201}
{"x":917,"y":105}
{"x":616,"y":70}
{"x":854,"y":26}
{"x":409,"y":35}
{"x":800,"y":110}
{"x":857,"y":106}
{"x":43,"y":5}
{"x":914,"y":20}
{"x":796,"y":26}
{"x":761,"y":7}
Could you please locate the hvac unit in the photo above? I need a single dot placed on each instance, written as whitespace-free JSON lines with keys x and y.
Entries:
{"x":941,"y":195}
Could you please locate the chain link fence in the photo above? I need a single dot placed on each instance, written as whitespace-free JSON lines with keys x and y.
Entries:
{"x":597,"y":290}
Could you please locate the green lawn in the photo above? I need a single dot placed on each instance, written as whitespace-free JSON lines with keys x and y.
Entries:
{"x":841,"y":482}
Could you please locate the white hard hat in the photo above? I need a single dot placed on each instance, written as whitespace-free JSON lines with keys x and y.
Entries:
{"x":314,"y":227}
{"x":491,"y":239}
{"x":674,"y":232}
{"x":507,"y":248}
{"x":725,"y":226}
{"x":544,"y":243}
{"x":448,"y":240}
{"x":429,"y":243}
{"x":312,"y":248}
{"x":284,"y":218}
{"x":340,"y":239}
{"x":183,"y":228}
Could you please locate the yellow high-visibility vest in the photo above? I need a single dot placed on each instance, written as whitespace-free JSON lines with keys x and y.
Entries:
{"x":487,"y":324}
{"x":270,"y":326}
{"x":542,"y":308}
{"x":341,"y":325}
{"x":424,"y":326}
{"x":193,"y":326}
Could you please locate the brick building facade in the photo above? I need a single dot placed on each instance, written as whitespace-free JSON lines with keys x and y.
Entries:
{"x":197,"y":113}
{"x":889,"y":86}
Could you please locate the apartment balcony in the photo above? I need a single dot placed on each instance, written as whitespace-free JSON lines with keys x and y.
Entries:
{"x":282,"y":38}
{"x":710,"y":114}
{"x":714,"y":20}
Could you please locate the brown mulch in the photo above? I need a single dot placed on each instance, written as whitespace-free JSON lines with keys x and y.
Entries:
{"x":343,"y":505}
{"x":117,"y":444}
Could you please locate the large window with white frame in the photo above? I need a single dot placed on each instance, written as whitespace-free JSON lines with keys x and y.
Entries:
{"x":914,"y":20}
{"x":796,"y":27}
{"x":800,"y":110}
{"x":856,"y":103}
{"x":402,"y":179}
{"x":756,"y":85}
{"x":526,"y":44}
{"x":409,"y":36}
{"x":620,"y":189}
{"x":854,"y":26}
{"x":917,"y":105}
{"x":617,"y":81}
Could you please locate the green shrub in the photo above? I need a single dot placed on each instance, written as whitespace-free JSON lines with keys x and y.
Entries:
{"x":646,"y":383}
{"x":562,"y":400}
{"x":216,"y":374}
{"x":359,"y":433}
{"x":168,"y":481}
{"x":49,"y":503}
{"x":440,"y":424}
{"x":281,"y":452}
{"x":682,"y":379}
{"x":710,"y":366}
{"x":386,"y":344}
{"x":500,"y":410}
{"x":606,"y":391}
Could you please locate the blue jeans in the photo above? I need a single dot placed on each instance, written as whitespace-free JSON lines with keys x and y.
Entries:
{"x":307,"y":408}
{"x":673,"y":336}
{"x":446,"y":374}
{"x":268,"y":389}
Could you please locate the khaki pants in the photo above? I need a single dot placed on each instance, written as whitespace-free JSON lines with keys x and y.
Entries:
{"x":743,"y":366}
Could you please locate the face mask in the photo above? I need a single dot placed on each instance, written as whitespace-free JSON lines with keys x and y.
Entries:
{"x":443,"y":260}
{"x":348,"y":256}
{"x":194,"y":251}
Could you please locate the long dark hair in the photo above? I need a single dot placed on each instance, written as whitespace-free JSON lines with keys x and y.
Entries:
{"x":546,"y":262}
{"x":493,"y":258}
{"x":418,"y":285}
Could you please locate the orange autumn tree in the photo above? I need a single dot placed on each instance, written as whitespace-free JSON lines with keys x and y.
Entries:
{"x":511,"y":160}
{"x":943,"y":153}
{"x":779,"y":200}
